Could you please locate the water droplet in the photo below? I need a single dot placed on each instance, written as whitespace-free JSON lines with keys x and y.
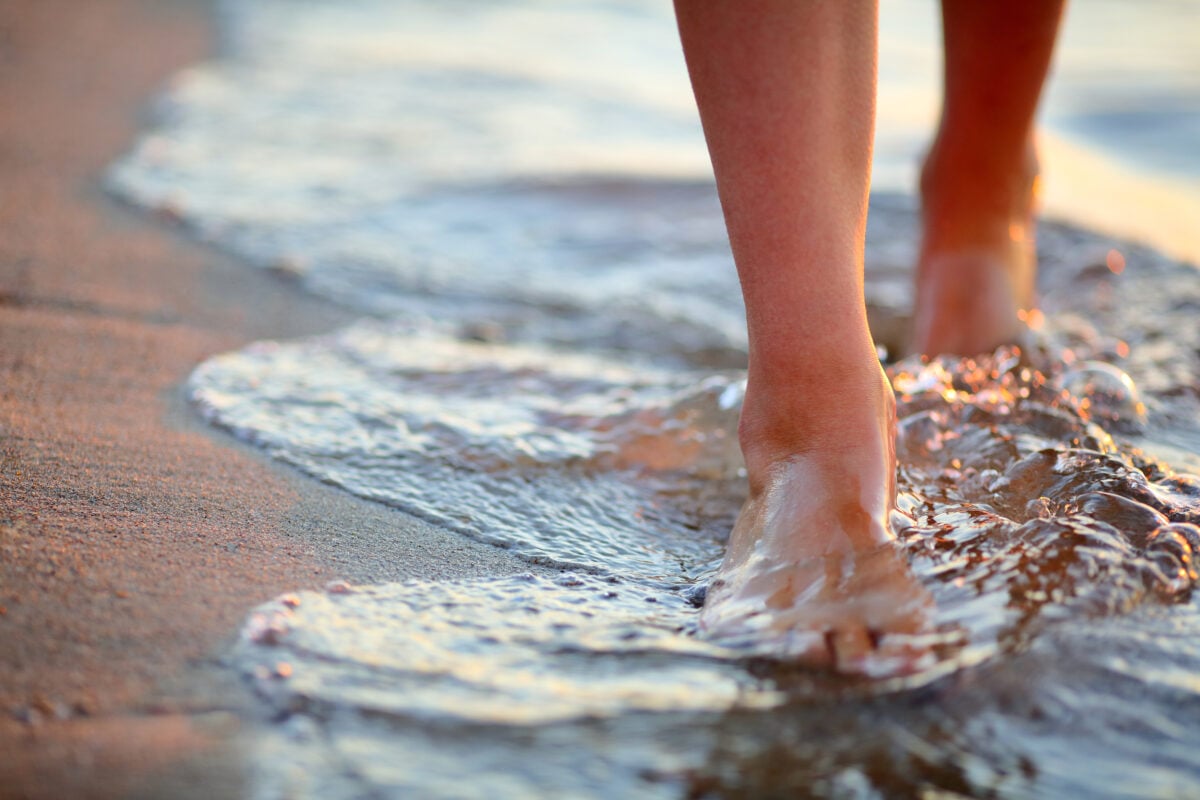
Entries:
{"x":1105,"y":393}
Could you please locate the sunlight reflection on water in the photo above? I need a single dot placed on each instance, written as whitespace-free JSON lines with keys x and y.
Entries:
{"x":518,"y":193}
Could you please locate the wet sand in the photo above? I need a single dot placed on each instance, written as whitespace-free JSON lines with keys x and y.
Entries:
{"x":132,"y":540}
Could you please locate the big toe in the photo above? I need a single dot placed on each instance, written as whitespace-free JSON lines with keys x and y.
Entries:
{"x":858,"y":650}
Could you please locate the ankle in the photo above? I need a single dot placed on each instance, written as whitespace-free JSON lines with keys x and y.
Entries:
{"x":852,"y":409}
{"x":971,"y":198}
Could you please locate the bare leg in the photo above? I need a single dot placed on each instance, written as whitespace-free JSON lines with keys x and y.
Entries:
{"x":786,"y":95}
{"x":977,"y":264}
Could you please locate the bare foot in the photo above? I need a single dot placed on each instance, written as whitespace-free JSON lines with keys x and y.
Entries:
{"x":978,"y":265}
{"x":971,"y":302}
{"x":811,"y":571}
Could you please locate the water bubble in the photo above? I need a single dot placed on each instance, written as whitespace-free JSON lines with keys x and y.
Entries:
{"x":1104,"y":392}
{"x":266,"y":628}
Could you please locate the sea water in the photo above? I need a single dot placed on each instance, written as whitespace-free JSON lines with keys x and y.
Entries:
{"x":516,"y":197}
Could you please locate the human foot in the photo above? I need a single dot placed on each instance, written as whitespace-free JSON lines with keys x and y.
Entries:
{"x":811,"y":571}
{"x":977,"y":264}
{"x":971,"y":302}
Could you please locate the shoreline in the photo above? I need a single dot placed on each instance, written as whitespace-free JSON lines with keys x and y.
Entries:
{"x":134,"y":539}
{"x":1090,"y":190}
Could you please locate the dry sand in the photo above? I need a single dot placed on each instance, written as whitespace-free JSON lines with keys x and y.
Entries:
{"x":132,"y":540}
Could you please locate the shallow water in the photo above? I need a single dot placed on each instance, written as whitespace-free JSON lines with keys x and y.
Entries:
{"x":1061,"y":564}
{"x":552,"y":364}
{"x":1060,"y":559}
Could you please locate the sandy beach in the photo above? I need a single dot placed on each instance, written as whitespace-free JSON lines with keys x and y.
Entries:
{"x":132,"y":540}
{"x":473,"y":266}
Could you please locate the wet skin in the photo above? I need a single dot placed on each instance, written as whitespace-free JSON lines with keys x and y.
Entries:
{"x":811,"y":571}
{"x":978,"y":264}
{"x":786,"y":97}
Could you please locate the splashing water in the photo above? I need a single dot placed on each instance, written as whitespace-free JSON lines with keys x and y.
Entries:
{"x":1061,"y":560}
{"x":553,"y":367}
{"x":1050,"y":549}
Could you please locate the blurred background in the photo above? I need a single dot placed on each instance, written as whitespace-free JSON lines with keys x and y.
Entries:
{"x":319,"y":106}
